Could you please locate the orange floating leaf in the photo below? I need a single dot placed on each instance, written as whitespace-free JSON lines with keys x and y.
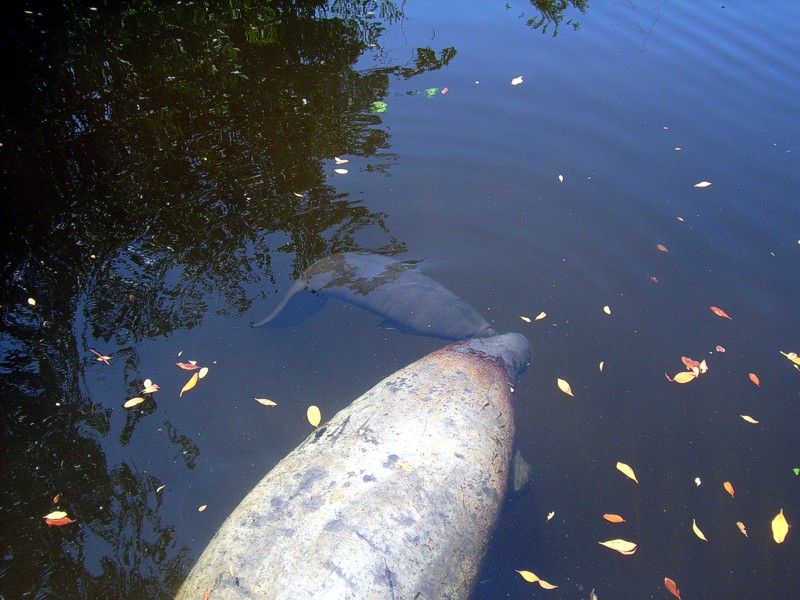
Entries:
{"x":189,"y":384}
{"x":187,"y":366}
{"x":56,"y":498}
{"x":754,"y":378}
{"x":780,"y":527}
{"x":662,"y":247}
{"x":59,"y":522}
{"x":672,"y":587}
{"x":612,"y":518}
{"x":728,"y":487}
{"x":720,"y":313}
{"x":741,"y":527}
{"x":627,"y":471}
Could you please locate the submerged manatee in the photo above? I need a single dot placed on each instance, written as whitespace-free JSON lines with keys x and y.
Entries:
{"x":395,"y":497}
{"x":394,"y":290}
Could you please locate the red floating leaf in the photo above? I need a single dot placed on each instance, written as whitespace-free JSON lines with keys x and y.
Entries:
{"x":672,"y":587}
{"x":690,"y":362}
{"x":59,"y":522}
{"x":720,"y":313}
{"x":187,"y":366}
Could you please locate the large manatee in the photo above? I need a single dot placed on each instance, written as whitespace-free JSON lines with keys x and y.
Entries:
{"x":395,"y":497}
{"x":394,"y":290}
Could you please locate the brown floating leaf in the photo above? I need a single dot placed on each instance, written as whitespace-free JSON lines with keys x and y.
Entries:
{"x":627,"y":471}
{"x":314,"y":415}
{"x":728,"y":488}
{"x":720,"y":313}
{"x":187,"y":366}
{"x":741,"y":527}
{"x":565,"y":387}
{"x":662,"y":247}
{"x":190,"y":384}
{"x":266,"y":402}
{"x":612,"y":518}
{"x":621,"y":546}
{"x":749,"y":419}
{"x":672,"y":587}
{"x":754,"y":378}
{"x":697,"y":531}
{"x":780,"y":527}
{"x":59,"y":522}
{"x":133,"y":402}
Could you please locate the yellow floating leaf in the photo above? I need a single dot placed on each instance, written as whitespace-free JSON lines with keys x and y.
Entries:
{"x":340,"y":171}
{"x":627,"y":471}
{"x":684,"y":377}
{"x":792,"y":356}
{"x":749,"y":419}
{"x":621,"y":546}
{"x":32,"y":301}
{"x":533,"y":578}
{"x":612,"y":518}
{"x":565,"y":387}
{"x":547,"y":586}
{"x":601,"y":365}
{"x":551,"y":514}
{"x":607,"y":309}
{"x":404,"y":465}
{"x":149,"y":387}
{"x":159,"y":488}
{"x":202,"y":507}
{"x":526,"y":319}
{"x":540,"y":316}
{"x":741,"y":527}
{"x":202,"y":372}
{"x":56,"y":514}
{"x":697,"y":531}
{"x":266,"y":401}
{"x":702,"y":184}
{"x":313,"y":415}
{"x":133,"y":402}
{"x":780,"y":527}
{"x":190,"y":384}
{"x":697,"y":481}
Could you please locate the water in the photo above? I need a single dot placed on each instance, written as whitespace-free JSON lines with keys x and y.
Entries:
{"x":167,"y":171}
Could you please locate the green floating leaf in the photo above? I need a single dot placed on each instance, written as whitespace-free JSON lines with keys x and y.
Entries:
{"x":379,"y":107}
{"x":431,"y":92}
{"x":796,"y":470}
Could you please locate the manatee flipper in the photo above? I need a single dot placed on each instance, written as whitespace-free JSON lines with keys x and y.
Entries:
{"x":297,"y":287}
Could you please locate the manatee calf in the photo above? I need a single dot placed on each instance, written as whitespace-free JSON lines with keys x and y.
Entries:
{"x":394,"y":290}
{"x":395,"y":497}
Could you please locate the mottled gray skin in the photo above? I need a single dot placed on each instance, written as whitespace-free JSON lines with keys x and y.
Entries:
{"x":393,"y":290}
{"x":395,"y":497}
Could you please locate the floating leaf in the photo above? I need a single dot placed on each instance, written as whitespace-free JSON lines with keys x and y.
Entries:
{"x":133,"y":402}
{"x":560,"y":179}
{"x":526,"y":319}
{"x":540,"y":316}
{"x":690,"y":363}
{"x":565,"y":387}
{"x":404,"y":465}
{"x":266,"y":402}
{"x":627,"y":471}
{"x":100,"y":357}
{"x":607,"y":309}
{"x":796,"y":470}
{"x":341,"y":171}
{"x":697,"y":481}
{"x":187,"y":366}
{"x":550,"y":515}
{"x":202,"y":507}
{"x":59,"y":522}
{"x":749,"y":419}
{"x":742,"y":528}
{"x":697,"y":531}
{"x":792,"y":356}
{"x":202,"y":372}
{"x":702,"y":184}
{"x":601,"y":365}
{"x":313,"y":415}
{"x":728,"y":488}
{"x":621,"y":546}
{"x":720,"y":349}
{"x":662,"y":247}
{"x":780,"y":527}
{"x":56,"y":498}
{"x":720,"y":313}
{"x":672,"y":587}
{"x":612,"y":518}
{"x":190,"y":384}
{"x":379,"y":106}
{"x":56,"y":514}
{"x":683,"y":377}
{"x":533,"y":578}
{"x":754,"y":378}
{"x":32,"y":301}
{"x":340,"y":161}
{"x":517,"y":80}
{"x":149,"y":387}
{"x":159,"y":488}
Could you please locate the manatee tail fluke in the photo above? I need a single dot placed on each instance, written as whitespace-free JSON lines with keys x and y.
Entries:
{"x":298,"y":286}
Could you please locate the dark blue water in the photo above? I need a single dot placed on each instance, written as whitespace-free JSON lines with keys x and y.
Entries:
{"x":201,"y":196}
